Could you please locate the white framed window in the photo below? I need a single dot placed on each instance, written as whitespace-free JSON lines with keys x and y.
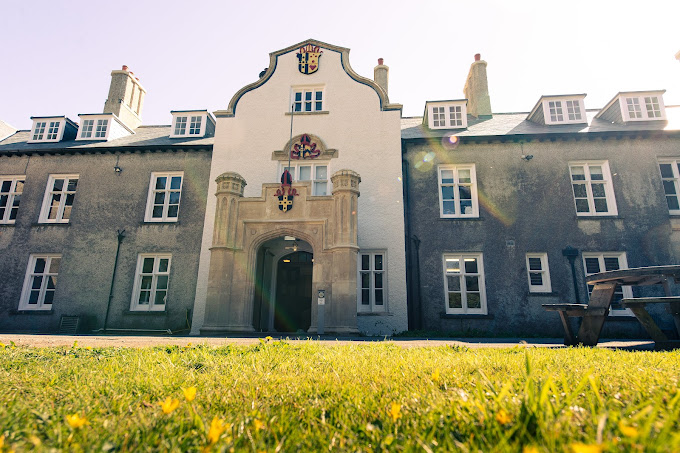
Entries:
{"x":151,"y":282}
{"x":86,"y":129}
{"x":188,"y":123}
{"x":39,"y":130}
{"x":596,"y":262}
{"x":181,"y":125}
{"x":458,"y":191}
{"x":449,"y":115}
{"x":40,"y":282}
{"x":195,"y":125}
{"x":316,"y":173}
{"x":464,"y":288}
{"x":538,"y":273}
{"x":670,"y":178}
{"x":372,"y":281}
{"x":47,"y":129}
{"x":556,"y":115}
{"x":165,"y":191}
{"x":308,"y":99}
{"x":643,"y":107}
{"x":11,"y":188}
{"x":574,"y":110}
{"x":560,"y":110}
{"x":652,"y":106}
{"x":591,"y":183}
{"x":95,"y":127}
{"x":633,"y":105}
{"x":58,"y":200}
{"x":102,"y":126}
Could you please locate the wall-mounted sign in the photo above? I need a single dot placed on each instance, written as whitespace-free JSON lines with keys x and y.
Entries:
{"x":309,"y":57}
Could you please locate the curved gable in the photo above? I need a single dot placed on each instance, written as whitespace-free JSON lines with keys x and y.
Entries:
{"x":273,"y":60}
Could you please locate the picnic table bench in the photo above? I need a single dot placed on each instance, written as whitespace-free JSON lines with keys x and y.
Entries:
{"x":596,"y":311}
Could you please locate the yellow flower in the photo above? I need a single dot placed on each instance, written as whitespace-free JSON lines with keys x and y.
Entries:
{"x":530,"y":449}
{"x":503,"y":418}
{"x":169,"y":405}
{"x":76,"y":421}
{"x":89,"y":348}
{"x":583,"y":448}
{"x":258,"y":424}
{"x":627,"y":431}
{"x":190,"y":393}
{"x":268,"y":338}
{"x":2,"y":438}
{"x":2,"y":345}
{"x":435,"y":376}
{"x":217,"y":427}
{"x":395,"y":411}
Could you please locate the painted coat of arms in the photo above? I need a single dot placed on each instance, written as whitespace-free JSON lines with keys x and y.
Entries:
{"x":308,"y":57}
{"x":305,"y":149}
{"x":286,"y":192}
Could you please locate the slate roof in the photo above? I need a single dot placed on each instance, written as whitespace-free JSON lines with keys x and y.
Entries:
{"x":144,"y":137}
{"x":516,"y":124}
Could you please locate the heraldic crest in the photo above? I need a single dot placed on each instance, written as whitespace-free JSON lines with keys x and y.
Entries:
{"x":308,"y":57}
{"x":305,"y":149}
{"x":286,"y":192}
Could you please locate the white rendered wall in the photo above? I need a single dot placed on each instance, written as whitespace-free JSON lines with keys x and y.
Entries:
{"x":368,"y":141}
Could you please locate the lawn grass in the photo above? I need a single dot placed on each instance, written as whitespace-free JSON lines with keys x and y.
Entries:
{"x":285,"y":396}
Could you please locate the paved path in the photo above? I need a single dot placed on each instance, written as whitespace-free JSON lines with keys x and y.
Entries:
{"x":142,"y":341}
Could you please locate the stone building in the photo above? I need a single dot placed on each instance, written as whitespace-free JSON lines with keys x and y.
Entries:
{"x":309,"y":204}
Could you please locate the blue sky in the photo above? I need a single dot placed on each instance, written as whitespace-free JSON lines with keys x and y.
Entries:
{"x":57,"y":56}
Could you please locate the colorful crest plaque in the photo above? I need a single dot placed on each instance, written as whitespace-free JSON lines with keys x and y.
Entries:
{"x":309,"y":57}
{"x":286,"y":192}
{"x":305,"y":149}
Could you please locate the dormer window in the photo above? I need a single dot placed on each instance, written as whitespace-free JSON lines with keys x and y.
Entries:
{"x":191,"y":123}
{"x":634,"y":106}
{"x":52,"y":129}
{"x":561,"y":109}
{"x":101,"y":126}
{"x":446,"y":115}
{"x":87,"y":130}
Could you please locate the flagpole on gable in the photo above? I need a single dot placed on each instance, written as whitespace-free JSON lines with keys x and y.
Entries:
{"x":292,"y":113}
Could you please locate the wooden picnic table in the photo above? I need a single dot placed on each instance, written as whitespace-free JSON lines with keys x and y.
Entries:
{"x":597,"y":309}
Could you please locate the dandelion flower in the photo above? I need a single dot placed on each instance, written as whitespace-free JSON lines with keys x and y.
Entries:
{"x":217,"y":427}
{"x":75,"y":421}
{"x":503,"y":418}
{"x":395,"y":411}
{"x":268,"y":338}
{"x":627,"y":431}
{"x":584,"y":448}
{"x":169,"y":405}
{"x":530,"y":449}
{"x":258,"y":424}
{"x":190,"y":393}
{"x":435,"y":376}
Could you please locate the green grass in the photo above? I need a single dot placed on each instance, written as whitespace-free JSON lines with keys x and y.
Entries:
{"x":282,"y":396}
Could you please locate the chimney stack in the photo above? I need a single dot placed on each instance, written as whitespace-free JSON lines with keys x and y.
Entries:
{"x":477,"y":90}
{"x":381,"y":74}
{"x":126,"y":97}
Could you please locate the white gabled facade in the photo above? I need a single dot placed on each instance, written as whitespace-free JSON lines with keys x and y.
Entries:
{"x":356,"y":121}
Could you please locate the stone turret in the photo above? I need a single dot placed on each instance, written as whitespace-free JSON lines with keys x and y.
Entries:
{"x":381,"y":75}
{"x":477,"y":90}
{"x":126,"y":97}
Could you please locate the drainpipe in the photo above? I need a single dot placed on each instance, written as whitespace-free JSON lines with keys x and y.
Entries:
{"x":121,"y":235}
{"x":571,"y":253}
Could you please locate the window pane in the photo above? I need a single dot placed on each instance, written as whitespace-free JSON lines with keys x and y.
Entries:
{"x":582,"y":205}
{"x":305,"y":173}
{"x":174,"y":198}
{"x":162,"y":282}
{"x":378,"y":262}
{"x":535,"y":264}
{"x":49,"y":297}
{"x":669,"y":187}
{"x":536,"y":278}
{"x":470,"y":265}
{"x":453,"y":283}
{"x":455,"y":300}
{"x":54,"y":265}
{"x":144,"y":297}
{"x":146,"y":282}
{"x":601,"y":205}
{"x":379,"y":297}
{"x":365,"y":280}
{"x":175,"y":182}
{"x":72,"y":184}
{"x":447,"y":176}
{"x":464,"y":176}
{"x":58,"y":185}
{"x":596,"y":173}
{"x":474,"y":300}
{"x":666,"y":170}
{"x":320,"y":188}
{"x":365,"y":297}
{"x":37,"y":282}
{"x":365,"y":262}
{"x":465,"y":193}
{"x":33,"y":297}
{"x":598,"y":190}
{"x":673,"y":203}
{"x":160,"y":298}
{"x":3,"y":200}
{"x":157,"y":212}
{"x":51,"y":282}
{"x":163,"y":265}
{"x":449,"y":207}
{"x":580,"y":190}
{"x":378,"y":280}
{"x":173,"y":210}
{"x":447,"y":192}
{"x":5,"y":186}
{"x":321,"y":172}
{"x":592,"y":265}
{"x":39,"y":267}
{"x":147,"y":266}
{"x":578,"y":173}
{"x":466,"y":207}
{"x":611,"y":264}
{"x":160,"y":182}
{"x":159,"y":198}
{"x":452,"y":265}
{"x":471,"y":283}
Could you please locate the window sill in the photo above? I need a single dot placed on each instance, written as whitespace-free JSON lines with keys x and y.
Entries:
{"x":460,"y":218}
{"x":462,"y":316}
{"x":42,"y":224}
{"x":31,"y":312}
{"x":160,"y":222}
{"x":598,"y":217}
{"x":377,"y":313}
{"x":543,"y":293}
{"x":320,"y":112}
{"x":7,"y":224}
{"x":144,"y":312}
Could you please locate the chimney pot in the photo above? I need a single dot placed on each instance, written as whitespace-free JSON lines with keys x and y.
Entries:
{"x":478,"y":57}
{"x":380,"y":61}
{"x":125,"y":68}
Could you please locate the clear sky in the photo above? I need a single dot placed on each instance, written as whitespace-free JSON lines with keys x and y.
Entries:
{"x":56,"y":56}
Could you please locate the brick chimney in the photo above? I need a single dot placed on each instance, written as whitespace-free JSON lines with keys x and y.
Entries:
{"x":477,"y":90}
{"x":126,"y":97}
{"x":381,"y":74}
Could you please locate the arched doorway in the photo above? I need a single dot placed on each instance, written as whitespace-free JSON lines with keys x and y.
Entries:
{"x":283,"y":286}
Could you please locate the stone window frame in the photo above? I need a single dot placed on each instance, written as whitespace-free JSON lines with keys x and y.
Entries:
{"x":589,"y":182}
{"x":456,"y":191}
{"x":543,"y":271}
{"x":151,"y":197}
{"x":463,"y":283}
{"x":671,"y":182}
{"x":10,"y":198}
{"x":313,"y":164}
{"x":157,"y":276}
{"x":372,"y":306}
{"x":47,"y":275}
{"x":63,"y":215}
{"x":622,"y":263}
{"x":313,"y":90}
